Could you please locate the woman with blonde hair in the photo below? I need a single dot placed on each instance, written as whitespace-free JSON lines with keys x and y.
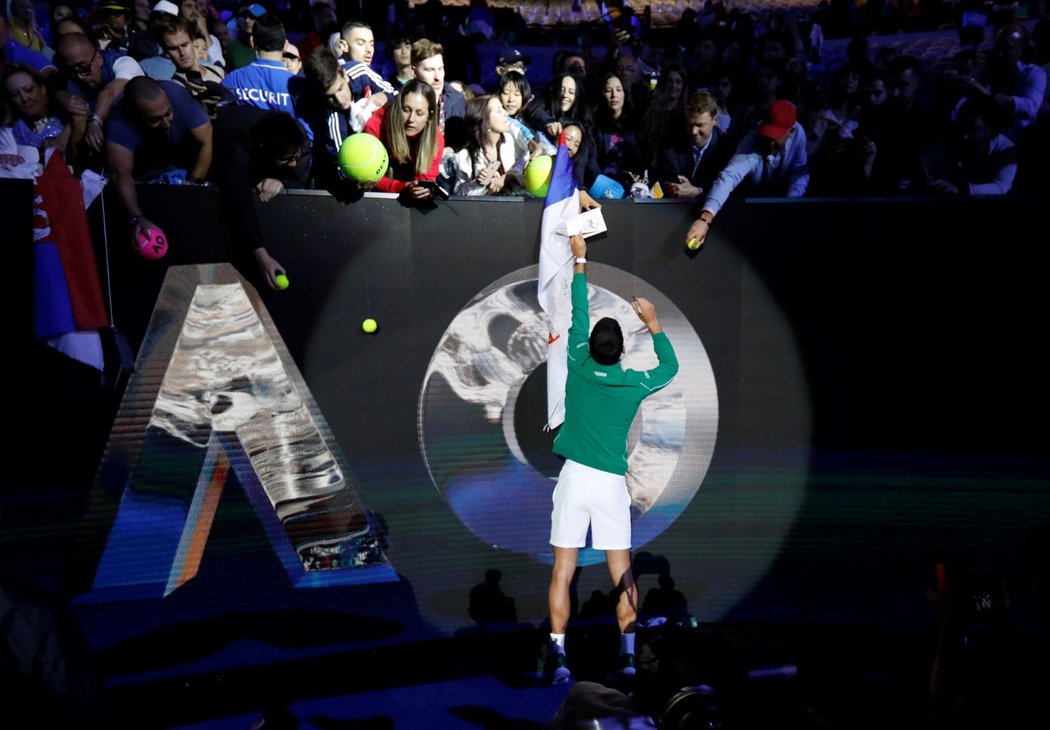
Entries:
{"x":408,"y":128}
{"x":34,"y":119}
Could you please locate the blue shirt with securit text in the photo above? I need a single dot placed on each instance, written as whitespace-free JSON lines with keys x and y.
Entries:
{"x":266,"y":84}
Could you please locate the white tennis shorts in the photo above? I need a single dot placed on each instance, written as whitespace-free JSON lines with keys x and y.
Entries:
{"x":587,"y":496}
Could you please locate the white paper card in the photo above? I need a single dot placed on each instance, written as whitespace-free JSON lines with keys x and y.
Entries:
{"x":589,"y":223}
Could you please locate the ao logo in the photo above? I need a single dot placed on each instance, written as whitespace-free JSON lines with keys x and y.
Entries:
{"x":480,"y":419}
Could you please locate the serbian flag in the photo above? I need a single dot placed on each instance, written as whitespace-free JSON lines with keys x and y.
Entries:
{"x":560,"y":209}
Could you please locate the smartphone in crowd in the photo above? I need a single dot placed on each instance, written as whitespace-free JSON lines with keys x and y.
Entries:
{"x":436,"y":191}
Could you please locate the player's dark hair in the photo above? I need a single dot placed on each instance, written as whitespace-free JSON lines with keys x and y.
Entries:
{"x":606,"y":341}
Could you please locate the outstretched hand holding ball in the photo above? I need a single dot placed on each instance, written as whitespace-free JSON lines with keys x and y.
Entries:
{"x":149,"y":241}
{"x":697,"y":234}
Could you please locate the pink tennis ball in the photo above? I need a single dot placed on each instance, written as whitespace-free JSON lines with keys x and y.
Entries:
{"x":152,"y":244}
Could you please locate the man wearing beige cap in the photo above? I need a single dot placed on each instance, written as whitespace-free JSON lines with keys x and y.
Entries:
{"x":770,"y":161}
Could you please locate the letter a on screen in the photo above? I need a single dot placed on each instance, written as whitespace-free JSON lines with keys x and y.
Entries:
{"x":216,"y":400}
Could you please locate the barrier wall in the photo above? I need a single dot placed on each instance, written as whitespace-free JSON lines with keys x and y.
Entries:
{"x":861,"y":391}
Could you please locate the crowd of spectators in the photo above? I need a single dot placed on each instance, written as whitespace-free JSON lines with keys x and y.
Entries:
{"x":255,"y":99}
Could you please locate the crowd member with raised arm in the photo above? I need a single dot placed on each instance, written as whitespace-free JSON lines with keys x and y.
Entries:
{"x":1012,"y":82}
{"x":771,"y":161}
{"x":336,"y":114}
{"x":156,"y":128}
{"x":258,"y":154}
{"x":562,"y":99}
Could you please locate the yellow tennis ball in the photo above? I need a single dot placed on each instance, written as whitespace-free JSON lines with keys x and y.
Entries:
{"x":369,"y":326}
{"x":282,"y":281}
{"x":363,"y":158}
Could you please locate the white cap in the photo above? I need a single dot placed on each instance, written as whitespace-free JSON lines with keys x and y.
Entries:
{"x":166,"y":6}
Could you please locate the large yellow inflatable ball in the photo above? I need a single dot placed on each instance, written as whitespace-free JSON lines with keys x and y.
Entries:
{"x":538,"y":175}
{"x":363,"y":158}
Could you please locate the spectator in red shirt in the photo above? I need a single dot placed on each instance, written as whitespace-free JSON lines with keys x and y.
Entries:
{"x":408,"y":128}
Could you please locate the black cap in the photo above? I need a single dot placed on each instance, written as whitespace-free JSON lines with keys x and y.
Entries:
{"x":513,"y":55}
{"x":114,"y":7}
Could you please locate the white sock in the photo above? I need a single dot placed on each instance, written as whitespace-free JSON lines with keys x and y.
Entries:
{"x":559,"y":641}
{"x":627,"y":643}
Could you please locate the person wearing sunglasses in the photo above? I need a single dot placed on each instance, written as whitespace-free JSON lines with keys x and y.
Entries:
{"x":96,"y":75}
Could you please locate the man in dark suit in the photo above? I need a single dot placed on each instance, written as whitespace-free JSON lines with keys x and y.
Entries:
{"x":687,"y":171}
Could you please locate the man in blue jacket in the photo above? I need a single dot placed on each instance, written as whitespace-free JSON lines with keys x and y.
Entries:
{"x":770,"y":162}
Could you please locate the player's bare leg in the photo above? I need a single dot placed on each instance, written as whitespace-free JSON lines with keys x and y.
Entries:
{"x":559,"y":603}
{"x":626,"y":607}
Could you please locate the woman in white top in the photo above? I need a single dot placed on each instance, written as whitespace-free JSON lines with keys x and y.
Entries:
{"x":494,"y":158}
